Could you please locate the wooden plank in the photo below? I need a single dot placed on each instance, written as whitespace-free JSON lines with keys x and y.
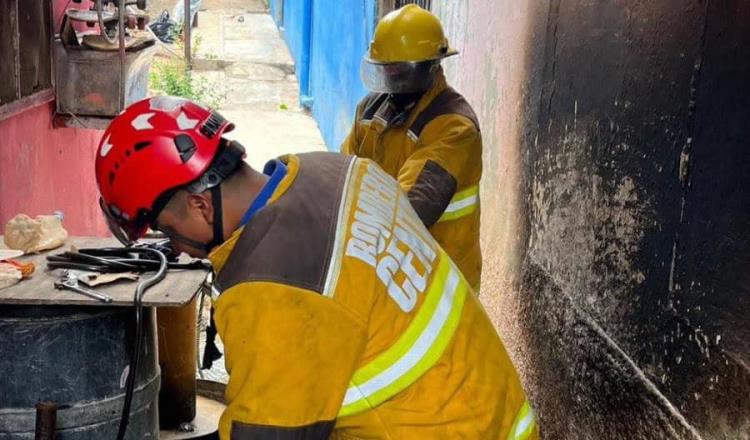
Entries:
{"x":16,"y":36}
{"x":7,"y":67}
{"x":34,"y":46}
{"x":21,"y":105}
{"x":62,"y":120}
{"x":178,"y":288}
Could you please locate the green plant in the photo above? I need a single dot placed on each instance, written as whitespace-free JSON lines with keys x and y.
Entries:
{"x":170,"y":76}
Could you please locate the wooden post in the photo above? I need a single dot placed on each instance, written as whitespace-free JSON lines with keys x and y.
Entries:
{"x":186,"y":31}
{"x":46,"y":420}
{"x":16,"y":47}
{"x":177,"y":330}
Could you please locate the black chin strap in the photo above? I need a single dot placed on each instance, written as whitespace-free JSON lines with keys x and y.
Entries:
{"x":218,"y":220}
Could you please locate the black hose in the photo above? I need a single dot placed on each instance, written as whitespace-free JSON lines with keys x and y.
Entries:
{"x":138,"y":343}
{"x":113,"y":260}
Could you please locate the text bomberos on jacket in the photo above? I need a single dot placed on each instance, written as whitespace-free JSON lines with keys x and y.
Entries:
{"x":399,"y":251}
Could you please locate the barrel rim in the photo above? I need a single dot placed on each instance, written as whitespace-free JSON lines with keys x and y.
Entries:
{"x":21,"y":420}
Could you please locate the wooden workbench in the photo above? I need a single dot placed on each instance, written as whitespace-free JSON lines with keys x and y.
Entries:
{"x":177,"y":289}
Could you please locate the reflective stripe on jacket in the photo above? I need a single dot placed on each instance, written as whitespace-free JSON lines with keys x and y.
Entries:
{"x":434,"y":150}
{"x":343,"y":318}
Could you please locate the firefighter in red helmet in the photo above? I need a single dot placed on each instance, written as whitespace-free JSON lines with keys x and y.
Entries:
{"x":340,"y":314}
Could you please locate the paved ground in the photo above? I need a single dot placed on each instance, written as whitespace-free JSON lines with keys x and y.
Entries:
{"x":240,"y":48}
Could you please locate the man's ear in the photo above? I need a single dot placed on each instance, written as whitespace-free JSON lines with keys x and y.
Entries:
{"x":202,"y":203}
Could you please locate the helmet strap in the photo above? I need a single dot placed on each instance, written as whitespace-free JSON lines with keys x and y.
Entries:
{"x":218,"y":220}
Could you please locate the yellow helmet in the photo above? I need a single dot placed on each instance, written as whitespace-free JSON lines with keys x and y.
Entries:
{"x":405,"y":52}
{"x":409,"y":34}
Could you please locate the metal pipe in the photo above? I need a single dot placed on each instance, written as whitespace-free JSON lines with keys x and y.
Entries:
{"x":46,"y":419}
{"x":121,"y":34}
{"x":100,"y":19}
{"x":187,"y":26}
{"x":135,"y":354}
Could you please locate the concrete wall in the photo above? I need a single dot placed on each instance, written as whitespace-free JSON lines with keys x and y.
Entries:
{"x":294,"y":19}
{"x":340,"y":37}
{"x":615,"y":207}
{"x":327,"y":42}
{"x":43,"y":169}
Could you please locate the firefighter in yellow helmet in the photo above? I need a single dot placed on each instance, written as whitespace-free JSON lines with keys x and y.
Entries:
{"x":341,"y":316}
{"x":422,"y":132}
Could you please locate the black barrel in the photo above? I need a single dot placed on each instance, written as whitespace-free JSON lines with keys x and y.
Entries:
{"x":77,"y":358}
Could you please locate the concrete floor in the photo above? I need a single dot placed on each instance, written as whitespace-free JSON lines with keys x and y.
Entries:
{"x":241,"y":51}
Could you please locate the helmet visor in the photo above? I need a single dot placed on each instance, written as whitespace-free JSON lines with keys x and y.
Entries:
{"x":126,"y":232}
{"x":400,"y":77}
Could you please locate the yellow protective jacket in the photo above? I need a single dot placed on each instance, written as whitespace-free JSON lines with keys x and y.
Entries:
{"x":434,"y":150}
{"x":342,"y":318}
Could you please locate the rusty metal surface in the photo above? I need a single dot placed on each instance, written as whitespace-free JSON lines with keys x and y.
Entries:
{"x":89,"y":16}
{"x":88,"y":80}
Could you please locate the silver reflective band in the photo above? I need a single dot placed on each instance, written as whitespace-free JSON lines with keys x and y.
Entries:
{"x":400,"y":77}
{"x":417,"y":350}
{"x":462,"y":204}
{"x":415,"y":353}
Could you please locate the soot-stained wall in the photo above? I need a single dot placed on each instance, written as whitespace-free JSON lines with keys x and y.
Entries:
{"x":616,"y":207}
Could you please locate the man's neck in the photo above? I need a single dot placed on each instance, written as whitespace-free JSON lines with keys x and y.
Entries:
{"x":239,"y":195}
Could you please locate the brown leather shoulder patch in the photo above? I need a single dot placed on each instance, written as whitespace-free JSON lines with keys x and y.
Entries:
{"x":290,"y":241}
{"x":244,"y":431}
{"x":432,"y":192}
{"x":370,"y":105}
{"x":447,"y":102}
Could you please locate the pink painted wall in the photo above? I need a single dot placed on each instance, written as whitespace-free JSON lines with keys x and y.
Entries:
{"x":43,"y":169}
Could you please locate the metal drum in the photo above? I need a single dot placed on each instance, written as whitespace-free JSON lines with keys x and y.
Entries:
{"x":76,"y":357}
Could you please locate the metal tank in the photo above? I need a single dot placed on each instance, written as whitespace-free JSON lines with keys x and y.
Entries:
{"x":76,"y":357}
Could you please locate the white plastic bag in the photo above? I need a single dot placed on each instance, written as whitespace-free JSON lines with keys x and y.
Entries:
{"x":35,"y":235}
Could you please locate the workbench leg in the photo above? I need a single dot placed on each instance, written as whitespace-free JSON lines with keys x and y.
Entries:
{"x":177,"y":330}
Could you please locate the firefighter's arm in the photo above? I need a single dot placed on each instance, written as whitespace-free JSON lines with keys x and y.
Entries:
{"x":449,"y":155}
{"x":290,"y":354}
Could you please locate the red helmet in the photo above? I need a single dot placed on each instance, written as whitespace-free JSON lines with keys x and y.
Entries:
{"x":154,"y":147}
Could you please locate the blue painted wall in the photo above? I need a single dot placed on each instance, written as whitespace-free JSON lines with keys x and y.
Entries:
{"x":340,"y":37}
{"x":276,"y":9}
{"x":293,"y":20}
{"x":327,"y":42}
